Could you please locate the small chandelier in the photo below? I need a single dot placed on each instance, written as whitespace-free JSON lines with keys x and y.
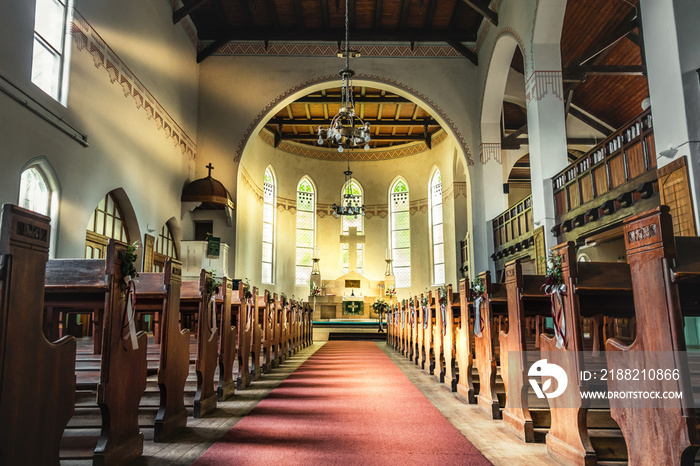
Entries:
{"x":346,"y":128}
{"x":349,"y":203}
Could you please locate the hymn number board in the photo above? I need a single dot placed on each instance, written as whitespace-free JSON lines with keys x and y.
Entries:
{"x":352,"y":284}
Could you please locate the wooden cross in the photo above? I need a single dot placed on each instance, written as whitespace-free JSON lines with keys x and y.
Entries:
{"x":352,"y":239}
{"x":210,"y":167}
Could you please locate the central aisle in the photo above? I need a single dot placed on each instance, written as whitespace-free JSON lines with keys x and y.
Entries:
{"x":347,"y":404}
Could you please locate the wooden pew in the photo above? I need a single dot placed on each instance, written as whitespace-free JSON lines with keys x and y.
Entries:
{"x":228,"y":338}
{"x":162,"y":291}
{"x":256,"y":341}
{"x":439,"y":308}
{"x":463,"y":346}
{"x":577,"y":434}
{"x":196,"y":300}
{"x":245,"y":309}
{"x":419,"y":354}
{"x":283,"y":346}
{"x":525,"y":297}
{"x":494,"y":303}
{"x":663,"y":271}
{"x":453,"y":316}
{"x":37,"y":378}
{"x":405,"y":329}
{"x":121,"y":381}
{"x":266,"y":311}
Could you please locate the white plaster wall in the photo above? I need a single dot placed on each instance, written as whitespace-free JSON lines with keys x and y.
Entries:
{"x":375,"y":178}
{"x":126,"y":148}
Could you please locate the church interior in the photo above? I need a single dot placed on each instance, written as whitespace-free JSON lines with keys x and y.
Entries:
{"x":349,"y":231}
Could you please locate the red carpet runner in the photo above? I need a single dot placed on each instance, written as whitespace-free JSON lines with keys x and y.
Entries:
{"x":347,"y":404}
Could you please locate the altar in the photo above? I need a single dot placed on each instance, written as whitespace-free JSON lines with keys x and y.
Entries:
{"x":349,"y":297}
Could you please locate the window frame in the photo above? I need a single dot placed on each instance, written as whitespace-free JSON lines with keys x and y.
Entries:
{"x":273,"y":223}
{"x":436,"y":176}
{"x":297,"y":265}
{"x":60,"y":80}
{"x":392,"y":215}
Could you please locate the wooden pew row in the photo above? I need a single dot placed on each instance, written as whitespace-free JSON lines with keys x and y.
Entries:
{"x":438,"y":305}
{"x":31,"y":368}
{"x":452,"y":321}
{"x":266,"y":304}
{"x":665,"y":273}
{"x":246,"y":308}
{"x":118,"y":376}
{"x":467,"y":386}
{"x":578,"y":434}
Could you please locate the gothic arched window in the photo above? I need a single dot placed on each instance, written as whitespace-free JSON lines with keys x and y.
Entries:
{"x":106,"y":222}
{"x":436,"y":233}
{"x":306,"y":222}
{"x":400,"y":233}
{"x":268,"y":236}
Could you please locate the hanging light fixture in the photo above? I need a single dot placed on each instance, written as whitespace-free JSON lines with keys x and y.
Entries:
{"x":349,"y":203}
{"x":346,"y":129}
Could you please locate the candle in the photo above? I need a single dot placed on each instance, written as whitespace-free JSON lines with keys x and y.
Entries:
{"x":386,"y":254}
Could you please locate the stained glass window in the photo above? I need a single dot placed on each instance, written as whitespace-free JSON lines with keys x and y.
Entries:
{"x":353,"y":221}
{"x":268,"y":237}
{"x":49,"y":39}
{"x":437,"y":232}
{"x":306,"y":215}
{"x":400,"y":233}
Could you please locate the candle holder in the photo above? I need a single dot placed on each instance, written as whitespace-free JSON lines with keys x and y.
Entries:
{"x":315,"y":270}
{"x":389,"y":268}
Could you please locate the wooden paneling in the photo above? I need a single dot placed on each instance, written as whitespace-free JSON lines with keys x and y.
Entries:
{"x":574,"y":200}
{"x":586,"y":189}
{"x":635,"y":160}
{"x":675,"y":193}
{"x":560,"y":203}
{"x":617,"y":171}
{"x":600,"y":176}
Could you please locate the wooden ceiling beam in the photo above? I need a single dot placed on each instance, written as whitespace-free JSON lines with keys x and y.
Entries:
{"x":324,"y":11}
{"x":512,"y":137}
{"x":483,"y":9}
{"x":299,"y":14}
{"x":385,"y":138}
{"x":373,"y":122}
{"x":334,"y":35}
{"x":405,"y":6}
{"x":273,"y":13}
{"x":579,"y":73}
{"x":593,"y":123}
{"x":461,"y":48}
{"x":429,"y":14}
{"x":377,"y":14}
{"x":606,"y":45}
{"x":211,"y":48}
{"x":335,"y":99}
{"x":181,"y":13}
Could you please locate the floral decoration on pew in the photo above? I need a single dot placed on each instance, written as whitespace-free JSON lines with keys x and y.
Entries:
{"x":477,"y":290}
{"x":442,"y":300}
{"x":412,"y":311}
{"x":380,"y":307}
{"x":213,"y":288}
{"x":247,"y":295}
{"x":285,"y":301}
{"x":128,"y":259}
{"x":424,"y":303}
{"x":554,"y":286}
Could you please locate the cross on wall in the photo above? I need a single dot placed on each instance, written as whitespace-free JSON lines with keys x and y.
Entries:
{"x":352,"y":239}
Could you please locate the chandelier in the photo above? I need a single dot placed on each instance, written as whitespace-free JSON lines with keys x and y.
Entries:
{"x":346,"y":129}
{"x":349,"y":203}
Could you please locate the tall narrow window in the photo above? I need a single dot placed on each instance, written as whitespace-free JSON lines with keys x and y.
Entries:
{"x":107,"y":222}
{"x":400,"y":233}
{"x":34,"y":191}
{"x":51,"y":17}
{"x":268,"y":239}
{"x":164,"y":248}
{"x":436,"y":224}
{"x":306,"y":215}
{"x":356,"y":221}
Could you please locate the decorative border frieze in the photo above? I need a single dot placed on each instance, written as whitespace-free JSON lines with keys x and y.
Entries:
{"x":331,"y":50}
{"x":541,"y":83}
{"x":321,"y":153}
{"x":186,"y":23}
{"x":88,"y":40}
{"x":488,"y":150}
{"x":332,"y":78}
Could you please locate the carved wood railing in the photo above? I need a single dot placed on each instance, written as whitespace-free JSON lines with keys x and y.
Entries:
{"x":616,"y":174}
{"x":515,"y":236}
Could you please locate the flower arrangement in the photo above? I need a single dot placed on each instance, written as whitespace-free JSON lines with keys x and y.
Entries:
{"x":285,"y":301}
{"x":424,"y":299}
{"x":555,"y":287}
{"x":314,"y":290}
{"x":380,"y":306}
{"x":442,"y":296}
{"x":213,"y":285}
{"x":270,"y":298}
{"x":128,"y":259}
{"x":390,"y":291}
{"x":477,"y":288}
{"x":553,"y":275}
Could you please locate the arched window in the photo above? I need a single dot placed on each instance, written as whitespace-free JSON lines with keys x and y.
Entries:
{"x":34,"y":191}
{"x":400,"y":233}
{"x":106,"y":222}
{"x":39,"y":191}
{"x":353,"y":221}
{"x":436,"y":232}
{"x":164,"y":248}
{"x":306,"y":222}
{"x":268,"y":238}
